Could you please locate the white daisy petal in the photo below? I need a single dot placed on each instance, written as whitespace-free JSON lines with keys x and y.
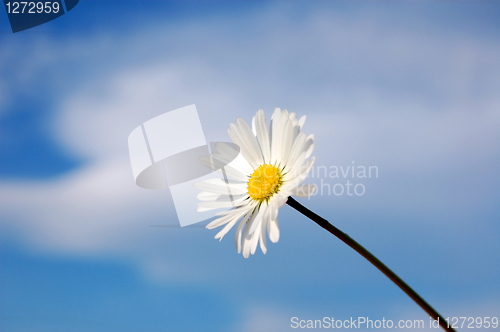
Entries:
{"x":297,"y":148}
{"x":233,"y":173}
{"x":227,"y":152}
{"x":254,"y":237}
{"x":274,"y":230}
{"x":221,"y":187}
{"x":230,"y":224}
{"x":262,"y":235}
{"x":271,"y":224}
{"x":284,"y":126}
{"x":307,"y":167}
{"x":236,"y":199}
{"x":293,"y":170}
{"x":286,"y":139}
{"x":250,"y":141}
{"x":244,"y":149}
{"x":302,"y":144}
{"x":255,"y":241}
{"x":223,"y":160}
{"x":207,"y":206}
{"x":237,"y":237}
{"x":275,"y":136}
{"x":299,"y":177}
{"x":224,"y":213}
{"x":251,"y":239}
{"x":242,"y":165}
{"x":309,"y":150}
{"x":293,"y":117}
{"x":309,"y":145}
{"x":273,"y":212}
{"x":223,"y":168}
{"x":227,"y":148}
{"x":207,"y":196}
{"x":302,"y":121}
{"x":291,"y":136}
{"x":220,"y":221}
{"x":263,"y":211}
{"x":205,"y":209}
{"x":234,"y":214}
{"x":239,"y":230}
{"x":246,"y":247}
{"x":262,"y":134}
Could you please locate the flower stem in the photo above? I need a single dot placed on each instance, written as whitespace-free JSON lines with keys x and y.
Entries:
{"x":372,"y":259}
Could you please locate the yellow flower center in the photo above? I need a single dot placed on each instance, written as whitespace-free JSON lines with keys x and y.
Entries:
{"x":264,"y":182}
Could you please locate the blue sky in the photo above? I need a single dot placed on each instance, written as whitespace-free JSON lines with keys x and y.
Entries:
{"x":409,"y":87}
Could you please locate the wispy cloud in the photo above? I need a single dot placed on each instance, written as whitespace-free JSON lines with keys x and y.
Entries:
{"x":423,"y":107}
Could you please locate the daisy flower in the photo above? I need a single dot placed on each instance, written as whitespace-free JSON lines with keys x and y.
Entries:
{"x":273,"y":162}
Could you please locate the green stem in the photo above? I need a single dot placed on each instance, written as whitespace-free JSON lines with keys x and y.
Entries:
{"x":372,"y":259}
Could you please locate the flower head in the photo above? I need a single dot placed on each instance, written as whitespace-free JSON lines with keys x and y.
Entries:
{"x":271,"y":166}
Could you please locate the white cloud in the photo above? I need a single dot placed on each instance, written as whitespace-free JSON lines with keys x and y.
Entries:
{"x":93,"y":209}
{"x":411,"y":103}
{"x":266,"y":319}
{"x":95,"y":123}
